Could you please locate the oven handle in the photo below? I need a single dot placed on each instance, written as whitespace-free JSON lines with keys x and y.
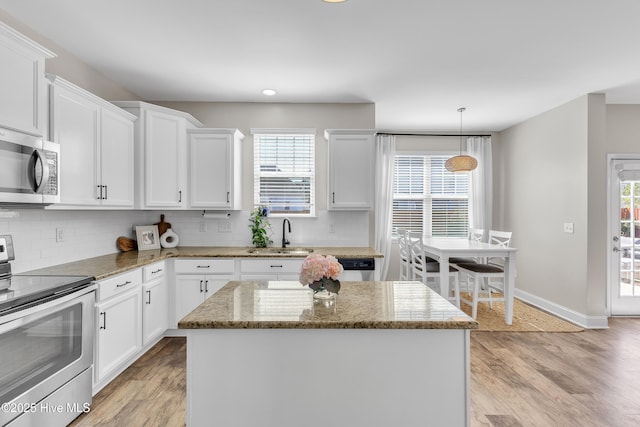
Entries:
{"x":38,"y":157}
{"x":15,"y":319}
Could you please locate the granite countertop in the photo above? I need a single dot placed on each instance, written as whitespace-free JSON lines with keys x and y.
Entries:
{"x":108,"y":265}
{"x":359,"y":305}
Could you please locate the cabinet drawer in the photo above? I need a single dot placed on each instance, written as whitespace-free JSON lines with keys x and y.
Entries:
{"x":205,"y":266}
{"x":121,"y":283}
{"x":271,"y":265}
{"x":152,"y":271}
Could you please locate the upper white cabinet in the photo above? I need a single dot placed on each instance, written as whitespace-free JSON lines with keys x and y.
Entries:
{"x":23,"y":103}
{"x":351,"y":166}
{"x":215,"y":168}
{"x":96,"y":147}
{"x":161,"y":136}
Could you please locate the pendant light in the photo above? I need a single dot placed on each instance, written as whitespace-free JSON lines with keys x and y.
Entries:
{"x":461,"y":162}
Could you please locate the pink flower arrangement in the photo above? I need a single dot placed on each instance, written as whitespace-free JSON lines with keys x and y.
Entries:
{"x":316,"y":267}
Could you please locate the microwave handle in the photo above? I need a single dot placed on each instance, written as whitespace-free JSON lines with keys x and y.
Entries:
{"x":38,"y":156}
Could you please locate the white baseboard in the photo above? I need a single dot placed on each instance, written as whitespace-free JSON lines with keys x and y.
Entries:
{"x":580,"y":319}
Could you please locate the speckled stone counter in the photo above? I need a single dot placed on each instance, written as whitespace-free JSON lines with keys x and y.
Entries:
{"x":387,"y":353}
{"x":359,"y":305}
{"x":116,"y":263}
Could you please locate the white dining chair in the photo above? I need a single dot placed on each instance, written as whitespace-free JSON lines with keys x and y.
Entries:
{"x":405,"y":255}
{"x":476,"y":235}
{"x":427,"y":269}
{"x":485,"y":277}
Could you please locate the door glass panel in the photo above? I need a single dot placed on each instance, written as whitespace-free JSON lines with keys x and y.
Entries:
{"x":35,"y":350}
{"x":629,"y":238}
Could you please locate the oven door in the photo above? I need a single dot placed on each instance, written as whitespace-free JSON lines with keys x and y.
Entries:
{"x":42,"y":348}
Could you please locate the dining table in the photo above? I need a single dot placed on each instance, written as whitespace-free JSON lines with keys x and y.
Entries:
{"x":444,"y":248}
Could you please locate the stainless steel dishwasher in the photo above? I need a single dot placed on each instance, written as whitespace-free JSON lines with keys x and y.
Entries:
{"x":357,"y":269}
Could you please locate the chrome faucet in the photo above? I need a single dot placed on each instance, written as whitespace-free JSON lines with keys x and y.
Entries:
{"x":285,"y":242}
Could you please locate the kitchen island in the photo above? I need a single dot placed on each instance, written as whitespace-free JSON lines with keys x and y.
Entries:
{"x":384,"y":353}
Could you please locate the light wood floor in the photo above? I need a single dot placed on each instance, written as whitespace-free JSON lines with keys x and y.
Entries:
{"x":590,"y":378}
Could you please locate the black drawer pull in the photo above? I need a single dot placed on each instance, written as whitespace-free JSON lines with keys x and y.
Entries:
{"x":128,"y":282}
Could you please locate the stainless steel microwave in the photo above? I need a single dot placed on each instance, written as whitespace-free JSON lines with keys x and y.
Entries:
{"x":29,"y":169}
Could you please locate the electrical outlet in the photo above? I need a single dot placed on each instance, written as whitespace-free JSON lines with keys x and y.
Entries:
{"x":332,"y":228}
{"x":568,"y":227}
{"x":224,"y":226}
{"x":59,"y":234}
{"x":203,"y":226}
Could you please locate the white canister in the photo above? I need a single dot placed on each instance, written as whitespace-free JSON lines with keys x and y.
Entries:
{"x":169,"y":239}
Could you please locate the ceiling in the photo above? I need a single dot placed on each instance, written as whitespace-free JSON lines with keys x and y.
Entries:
{"x":417,"y":60}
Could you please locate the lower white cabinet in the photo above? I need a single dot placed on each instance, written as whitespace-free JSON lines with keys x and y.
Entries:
{"x":154,"y":302}
{"x":270,"y":269}
{"x":118,"y":323}
{"x":197,"y":280}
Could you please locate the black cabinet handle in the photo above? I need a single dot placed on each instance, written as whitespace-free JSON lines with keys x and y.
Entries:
{"x":128,"y":282}
{"x":206,"y":286}
{"x":201,"y":285}
{"x":180,"y":196}
{"x":104,"y":320}
{"x":149,"y":296}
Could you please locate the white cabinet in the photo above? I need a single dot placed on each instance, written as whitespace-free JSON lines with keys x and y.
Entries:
{"x":96,"y":147}
{"x":215,"y":168}
{"x":197,"y":280}
{"x":118,"y":324}
{"x":154,"y":302}
{"x":351,"y":166}
{"x":23,"y":104}
{"x":160,"y":155}
{"x":270,"y":269}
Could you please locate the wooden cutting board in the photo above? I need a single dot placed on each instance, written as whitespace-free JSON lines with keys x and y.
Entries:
{"x":162,"y":225}
{"x":125,"y":244}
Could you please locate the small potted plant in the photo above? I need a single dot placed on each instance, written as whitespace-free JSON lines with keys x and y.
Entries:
{"x":260,"y":227}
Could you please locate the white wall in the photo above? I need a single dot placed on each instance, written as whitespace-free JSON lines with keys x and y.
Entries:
{"x":547,"y":171}
{"x":86,"y":234}
{"x":69,"y":67}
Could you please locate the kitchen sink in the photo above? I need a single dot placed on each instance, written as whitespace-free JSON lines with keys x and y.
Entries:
{"x":280,"y":251}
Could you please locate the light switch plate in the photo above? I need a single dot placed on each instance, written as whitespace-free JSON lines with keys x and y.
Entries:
{"x":568,"y":227}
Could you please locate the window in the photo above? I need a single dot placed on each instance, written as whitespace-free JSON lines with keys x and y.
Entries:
{"x":429,"y":199}
{"x":284,"y":171}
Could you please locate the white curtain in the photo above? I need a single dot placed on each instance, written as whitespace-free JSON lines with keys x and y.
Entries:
{"x":385,"y":153}
{"x":481,"y":185}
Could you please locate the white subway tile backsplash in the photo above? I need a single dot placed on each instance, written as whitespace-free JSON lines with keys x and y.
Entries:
{"x":93,"y":233}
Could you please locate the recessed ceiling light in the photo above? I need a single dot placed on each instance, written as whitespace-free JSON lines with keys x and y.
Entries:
{"x":334,"y":1}
{"x":268,"y":92}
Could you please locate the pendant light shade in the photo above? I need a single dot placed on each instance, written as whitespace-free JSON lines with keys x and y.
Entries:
{"x":461,"y":162}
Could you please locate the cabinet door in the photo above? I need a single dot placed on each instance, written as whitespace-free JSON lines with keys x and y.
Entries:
{"x":23,"y":87}
{"x":214,"y":283}
{"x":119,"y":325}
{"x":189,"y":294}
{"x":351,"y":188}
{"x":210,"y":174}
{"x":154,"y":310}
{"x":116,"y":155}
{"x":75,"y":127}
{"x":165,"y":137}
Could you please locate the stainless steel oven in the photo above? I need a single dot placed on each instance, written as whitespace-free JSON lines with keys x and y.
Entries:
{"x":28,"y":169}
{"x":46,"y":349}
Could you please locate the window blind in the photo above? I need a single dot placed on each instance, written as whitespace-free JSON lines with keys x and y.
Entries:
{"x":428,"y":198}
{"x":284,"y":172}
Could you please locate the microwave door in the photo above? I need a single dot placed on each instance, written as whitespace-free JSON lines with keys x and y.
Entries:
{"x":14,"y":181}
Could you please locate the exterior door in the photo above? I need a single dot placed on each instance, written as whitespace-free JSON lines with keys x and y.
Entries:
{"x":624,"y":231}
